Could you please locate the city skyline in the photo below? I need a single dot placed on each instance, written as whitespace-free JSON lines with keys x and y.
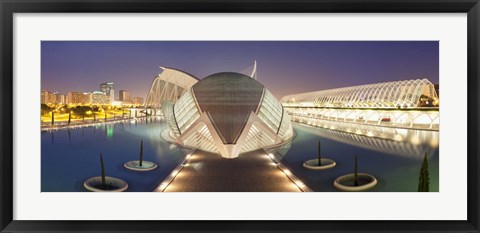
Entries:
{"x":105,"y":95}
{"x":285,"y":67}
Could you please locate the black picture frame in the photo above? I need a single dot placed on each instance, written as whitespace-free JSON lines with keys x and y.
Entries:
{"x":9,"y":7}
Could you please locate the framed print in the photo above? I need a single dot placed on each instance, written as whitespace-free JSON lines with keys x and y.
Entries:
{"x":242,"y":116}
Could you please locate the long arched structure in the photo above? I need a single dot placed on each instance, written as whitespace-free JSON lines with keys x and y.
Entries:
{"x":399,"y":94}
{"x":411,"y":104}
{"x":169,"y":86}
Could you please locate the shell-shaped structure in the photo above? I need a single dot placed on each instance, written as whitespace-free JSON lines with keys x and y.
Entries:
{"x":228,"y":113}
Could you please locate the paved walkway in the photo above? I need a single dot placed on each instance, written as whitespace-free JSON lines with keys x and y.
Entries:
{"x":251,"y":172}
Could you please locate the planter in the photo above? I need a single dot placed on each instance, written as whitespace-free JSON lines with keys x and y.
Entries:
{"x":94,"y":184}
{"x":313,"y":164}
{"x":346,"y":182}
{"x":135,"y":166}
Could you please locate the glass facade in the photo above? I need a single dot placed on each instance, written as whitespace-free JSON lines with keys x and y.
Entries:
{"x":256,"y":139}
{"x":202,"y":139}
{"x":185,"y":111}
{"x":271,"y":111}
{"x":167,"y":109}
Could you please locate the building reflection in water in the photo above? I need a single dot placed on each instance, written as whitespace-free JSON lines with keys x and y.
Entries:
{"x":394,"y":141}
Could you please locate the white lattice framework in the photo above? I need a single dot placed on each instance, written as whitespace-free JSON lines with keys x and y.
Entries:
{"x":404,"y":94}
{"x":169,"y":86}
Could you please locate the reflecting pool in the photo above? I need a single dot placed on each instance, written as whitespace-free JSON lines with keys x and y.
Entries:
{"x":70,"y":156}
{"x":393,"y":156}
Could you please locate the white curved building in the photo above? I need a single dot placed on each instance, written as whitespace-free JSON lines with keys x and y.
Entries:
{"x":168,"y":86}
{"x":401,"y":104}
{"x":399,"y":94}
{"x":229,"y":114}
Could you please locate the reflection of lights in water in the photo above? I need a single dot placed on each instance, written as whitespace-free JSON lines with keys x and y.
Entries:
{"x":109,"y":132}
{"x":299,"y":184}
{"x":397,"y":137}
{"x":402,"y":132}
{"x":405,"y":142}
{"x":415,"y":140}
{"x":174,"y":173}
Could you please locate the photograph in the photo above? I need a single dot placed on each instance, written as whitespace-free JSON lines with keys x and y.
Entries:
{"x":239,"y":116}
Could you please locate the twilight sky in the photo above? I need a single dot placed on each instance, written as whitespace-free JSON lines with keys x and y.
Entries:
{"x":284,"y":67}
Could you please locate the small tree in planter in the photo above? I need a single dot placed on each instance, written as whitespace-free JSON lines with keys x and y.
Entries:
{"x":319,"y":163}
{"x":141,"y":152}
{"x":103,"y":183}
{"x":319,"y":155}
{"x":355,"y":176}
{"x":140,"y":165}
{"x":103,"y":171}
{"x":424,"y":178}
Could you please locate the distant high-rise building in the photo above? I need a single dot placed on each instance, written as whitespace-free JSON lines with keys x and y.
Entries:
{"x":124,"y":95}
{"x":137,"y":101}
{"x":59,"y":98}
{"x":77,"y":98}
{"x":109,"y":90}
{"x":46,"y":97}
{"x":51,"y":98}
{"x":99,"y":97}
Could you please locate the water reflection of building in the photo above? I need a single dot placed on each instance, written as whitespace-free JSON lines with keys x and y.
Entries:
{"x":405,"y":142}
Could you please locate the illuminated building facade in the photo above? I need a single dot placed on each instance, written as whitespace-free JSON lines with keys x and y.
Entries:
{"x":399,"y":94}
{"x":137,"y":101}
{"x":169,"y":86}
{"x":51,"y":98}
{"x":229,"y":114}
{"x":100,"y":98}
{"x":77,"y":98}
{"x":109,"y":90}
{"x":403,"y":104}
{"x":124,"y":95}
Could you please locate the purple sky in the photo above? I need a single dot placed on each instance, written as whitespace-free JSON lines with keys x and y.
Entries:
{"x":284,"y":67}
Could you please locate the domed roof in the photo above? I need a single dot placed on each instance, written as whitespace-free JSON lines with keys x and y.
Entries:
{"x":228,"y":98}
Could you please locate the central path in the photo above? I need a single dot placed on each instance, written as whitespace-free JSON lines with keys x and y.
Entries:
{"x":250,"y":172}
